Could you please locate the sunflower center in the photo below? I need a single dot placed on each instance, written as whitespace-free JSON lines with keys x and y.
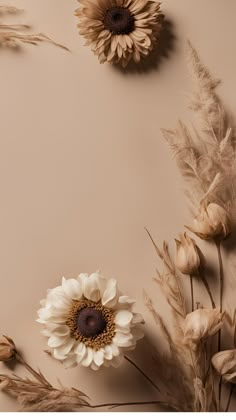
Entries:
{"x":90,"y":322}
{"x":119,"y":20}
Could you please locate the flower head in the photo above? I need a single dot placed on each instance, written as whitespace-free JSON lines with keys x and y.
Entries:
{"x":212,"y":222}
{"x":201,"y":324}
{"x":120,"y":30}
{"x":7,"y":348}
{"x":88,"y":322}
{"x":188,"y":257}
{"x":225,"y":364}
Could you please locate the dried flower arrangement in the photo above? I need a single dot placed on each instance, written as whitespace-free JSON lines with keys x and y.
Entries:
{"x":120,"y":31}
{"x":88,"y":321}
{"x":12,"y":36}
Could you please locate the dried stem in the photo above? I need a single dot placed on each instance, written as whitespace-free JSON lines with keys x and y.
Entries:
{"x":38,"y":376}
{"x":142,"y":373}
{"x":234,"y":337}
{"x":219,"y":393}
{"x":191,"y":288}
{"x":221,"y":276}
{"x":221,"y":273}
{"x":115,"y":405}
{"x":205,"y":282}
{"x":230,"y":397}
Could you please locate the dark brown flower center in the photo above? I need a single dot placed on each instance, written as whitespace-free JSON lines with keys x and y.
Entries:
{"x":119,"y":20}
{"x":90,"y":322}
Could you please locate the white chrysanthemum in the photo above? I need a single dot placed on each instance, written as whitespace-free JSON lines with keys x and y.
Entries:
{"x":120,"y":30}
{"x":88,"y":322}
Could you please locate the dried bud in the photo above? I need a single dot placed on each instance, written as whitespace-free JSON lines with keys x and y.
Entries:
{"x":224,"y":363}
{"x":212,"y":222}
{"x":188,"y":256}
{"x":201,"y":324}
{"x":7,"y":348}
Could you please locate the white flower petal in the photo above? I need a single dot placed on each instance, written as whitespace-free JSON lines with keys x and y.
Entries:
{"x":90,"y":287}
{"x":123,"y":340}
{"x":124,"y":330}
{"x":94,"y":366}
{"x":46,"y":333}
{"x":80,"y":351}
{"x":44,"y":314}
{"x":59,"y":303}
{"x":55,"y":341}
{"x":108,"y":353}
{"x":61,"y":330}
{"x":126,"y":300}
{"x":137,"y":333}
{"x":123,"y":318}
{"x":89,"y":357}
{"x":65,"y":348}
{"x":116,"y":362}
{"x":110,"y":292}
{"x":115,"y":349}
{"x":50,"y":316}
{"x":72,"y":288}
{"x":58,"y":355}
{"x":137,"y":319}
{"x":50,"y":328}
{"x":43,"y":302}
{"x":70,"y":362}
{"x":98,"y":357}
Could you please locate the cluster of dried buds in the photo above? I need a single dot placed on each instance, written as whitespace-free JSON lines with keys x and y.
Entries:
{"x":212,"y":223}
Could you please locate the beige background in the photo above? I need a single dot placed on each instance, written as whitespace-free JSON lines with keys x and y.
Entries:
{"x":83,"y":168}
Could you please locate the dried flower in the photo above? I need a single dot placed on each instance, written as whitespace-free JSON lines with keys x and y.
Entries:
{"x":120,"y":30}
{"x":225,"y":364}
{"x":212,"y":222}
{"x":7,"y":348}
{"x":88,"y":322}
{"x":201,"y":324}
{"x":188,"y":256}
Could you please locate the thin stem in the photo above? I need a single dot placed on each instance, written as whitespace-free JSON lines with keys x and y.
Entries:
{"x":205,"y":282}
{"x":219,"y":392}
{"x":33,"y":372}
{"x":221,"y":272}
{"x":114,"y":405}
{"x":221,"y":275}
{"x":234,"y":336}
{"x":142,"y":373}
{"x":191,"y":288}
{"x":193,"y":364}
{"x":230,"y":396}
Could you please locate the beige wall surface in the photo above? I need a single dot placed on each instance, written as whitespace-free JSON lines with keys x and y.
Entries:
{"x":84,"y":168}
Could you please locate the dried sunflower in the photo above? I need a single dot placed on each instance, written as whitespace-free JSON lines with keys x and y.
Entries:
{"x":120,"y":30}
{"x":88,"y":322}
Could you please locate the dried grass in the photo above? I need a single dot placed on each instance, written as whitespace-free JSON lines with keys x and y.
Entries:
{"x":14,"y":35}
{"x":38,"y":396}
{"x":206,"y":157}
